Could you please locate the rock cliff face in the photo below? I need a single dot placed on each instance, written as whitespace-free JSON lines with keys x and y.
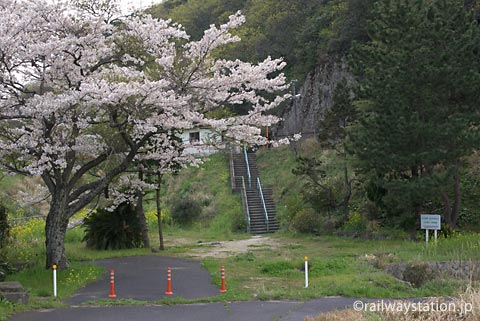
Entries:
{"x":316,"y":97}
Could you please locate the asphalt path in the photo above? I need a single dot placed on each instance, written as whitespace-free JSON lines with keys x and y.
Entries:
{"x":236,"y":311}
{"x":144,"y":278}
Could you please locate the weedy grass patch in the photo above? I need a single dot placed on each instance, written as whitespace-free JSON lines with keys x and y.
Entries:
{"x":466,"y":307}
{"x":336,"y":267}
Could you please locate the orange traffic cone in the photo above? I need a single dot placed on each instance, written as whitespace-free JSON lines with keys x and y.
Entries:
{"x":223,"y":289}
{"x":112,"y":285}
{"x":169,"y":281}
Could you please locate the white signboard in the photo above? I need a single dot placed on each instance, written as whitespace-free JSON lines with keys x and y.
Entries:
{"x":430,"y":222}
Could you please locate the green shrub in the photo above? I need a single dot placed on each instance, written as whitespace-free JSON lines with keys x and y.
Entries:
{"x":306,"y":221}
{"x":356,"y":223}
{"x":447,"y":231}
{"x":4,"y":227}
{"x":152,"y":219}
{"x":286,"y":214}
{"x":186,"y":210}
{"x":118,"y":229}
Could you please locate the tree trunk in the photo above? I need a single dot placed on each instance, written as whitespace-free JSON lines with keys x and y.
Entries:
{"x":456,"y":197}
{"x":452,"y":212}
{"x":159,"y":212}
{"x":412,"y":230}
{"x":141,"y":215}
{"x":348,"y":191}
{"x":55,"y":230}
{"x":447,"y":209}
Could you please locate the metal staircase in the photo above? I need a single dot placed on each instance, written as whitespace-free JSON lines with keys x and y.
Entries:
{"x":258,"y":204}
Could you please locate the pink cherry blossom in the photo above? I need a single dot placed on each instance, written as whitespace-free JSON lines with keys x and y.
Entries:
{"x":84,"y":92}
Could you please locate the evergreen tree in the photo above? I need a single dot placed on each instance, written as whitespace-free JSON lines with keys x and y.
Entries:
{"x":418,"y":100}
{"x":333,"y":127}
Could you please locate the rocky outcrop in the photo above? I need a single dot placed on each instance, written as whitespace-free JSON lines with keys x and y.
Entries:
{"x":315,"y":98}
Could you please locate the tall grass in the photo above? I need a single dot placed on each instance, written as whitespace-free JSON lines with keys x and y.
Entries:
{"x":448,"y":310}
{"x":37,"y":281}
{"x":209,"y":185}
{"x":337,"y":267}
{"x":27,"y":241}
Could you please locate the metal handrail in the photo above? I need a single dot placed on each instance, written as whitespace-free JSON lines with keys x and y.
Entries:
{"x":248,"y":166}
{"x":245,"y":205}
{"x":232,"y":172}
{"x":263,"y":202}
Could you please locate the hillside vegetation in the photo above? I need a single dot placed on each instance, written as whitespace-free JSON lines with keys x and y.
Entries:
{"x":303,"y":208}
{"x":303,"y":32}
{"x":403,"y":134}
{"x":206,"y":188}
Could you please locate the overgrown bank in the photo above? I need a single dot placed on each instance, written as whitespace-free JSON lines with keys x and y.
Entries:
{"x":306,"y":178}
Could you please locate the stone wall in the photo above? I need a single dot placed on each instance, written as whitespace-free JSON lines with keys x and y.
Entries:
{"x":457,"y":269}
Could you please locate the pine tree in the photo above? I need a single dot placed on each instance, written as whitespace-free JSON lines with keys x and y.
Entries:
{"x":418,"y":99}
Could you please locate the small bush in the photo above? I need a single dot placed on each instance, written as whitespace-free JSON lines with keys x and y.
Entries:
{"x":152,"y":220}
{"x":418,"y":273}
{"x":447,"y":231}
{"x":306,"y":221}
{"x":112,"y":230}
{"x":356,"y":223}
{"x":4,"y":227}
{"x":186,"y":210}
{"x":286,"y":214}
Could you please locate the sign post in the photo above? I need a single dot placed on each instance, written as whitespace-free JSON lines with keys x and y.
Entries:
{"x":266,"y":124}
{"x":430,"y":222}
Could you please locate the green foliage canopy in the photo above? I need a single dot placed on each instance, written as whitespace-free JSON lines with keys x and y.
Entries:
{"x":113,"y":230}
{"x":418,"y":97}
{"x":303,"y":32}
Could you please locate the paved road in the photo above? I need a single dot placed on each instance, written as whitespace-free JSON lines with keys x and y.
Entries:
{"x":238,"y":311}
{"x":144,"y":278}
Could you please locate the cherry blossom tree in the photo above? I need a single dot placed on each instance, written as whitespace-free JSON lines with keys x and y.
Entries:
{"x":162,"y":154}
{"x":83,"y":91}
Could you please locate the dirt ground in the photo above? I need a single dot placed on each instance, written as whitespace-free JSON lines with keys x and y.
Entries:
{"x":229,"y":248}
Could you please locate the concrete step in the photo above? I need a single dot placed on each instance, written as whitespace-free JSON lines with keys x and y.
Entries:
{"x":13,"y":291}
{"x":254,"y":202}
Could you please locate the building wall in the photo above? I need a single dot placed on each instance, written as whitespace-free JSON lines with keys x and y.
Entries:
{"x":204,"y":146}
